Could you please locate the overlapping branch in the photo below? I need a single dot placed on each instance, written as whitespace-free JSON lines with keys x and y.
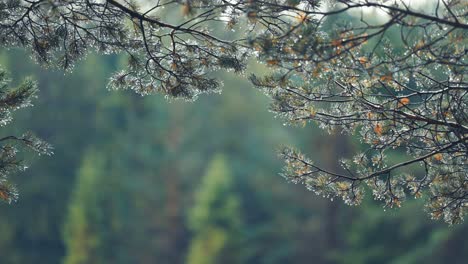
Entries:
{"x":389,"y":72}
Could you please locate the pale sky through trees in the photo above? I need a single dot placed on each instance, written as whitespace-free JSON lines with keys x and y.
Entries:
{"x":373,"y":14}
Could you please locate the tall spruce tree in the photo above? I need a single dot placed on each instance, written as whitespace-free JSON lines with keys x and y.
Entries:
{"x":82,"y":229}
{"x":95,"y":231}
{"x":215,"y":219}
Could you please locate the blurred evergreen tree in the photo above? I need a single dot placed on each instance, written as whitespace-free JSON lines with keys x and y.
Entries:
{"x":216,"y":219}
{"x":86,"y":220}
{"x":97,"y":221}
{"x":69,"y":124}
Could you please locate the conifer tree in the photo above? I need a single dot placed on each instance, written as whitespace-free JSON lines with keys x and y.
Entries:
{"x":93,"y":230}
{"x":82,"y":236}
{"x":409,"y":97}
{"x":215,"y":219}
{"x":12,"y":99}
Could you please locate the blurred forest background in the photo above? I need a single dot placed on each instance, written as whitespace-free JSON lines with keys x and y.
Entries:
{"x":143,"y":180}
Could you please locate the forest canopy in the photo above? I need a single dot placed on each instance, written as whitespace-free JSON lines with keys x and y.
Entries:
{"x":391,"y":73}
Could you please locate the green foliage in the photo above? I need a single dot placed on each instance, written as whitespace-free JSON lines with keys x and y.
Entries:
{"x":215,"y":219}
{"x":208,"y":246}
{"x":154,"y":156}
{"x":398,"y":86}
{"x":396,"y":237}
{"x":96,"y":214}
{"x":82,"y":229}
{"x":12,"y":99}
{"x":388,"y":72}
{"x":377,"y":78}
